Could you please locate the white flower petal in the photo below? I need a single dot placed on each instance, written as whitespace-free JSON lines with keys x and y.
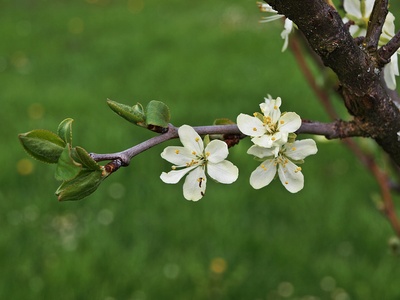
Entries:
{"x":195,"y":185}
{"x":174,"y":176}
{"x":263,"y":141}
{"x":289,"y":122}
{"x":261,"y":152}
{"x":223,"y":172}
{"x":178,"y":156}
{"x":300,"y":149}
{"x":190,"y":139}
{"x":285,"y":33}
{"x":263,"y":175}
{"x":291,"y":177}
{"x":216,"y":151}
{"x":390,"y":71}
{"x":264,"y":7}
{"x":271,"y":18}
{"x":352,"y":7}
{"x":249,"y":125}
{"x":369,"y":5}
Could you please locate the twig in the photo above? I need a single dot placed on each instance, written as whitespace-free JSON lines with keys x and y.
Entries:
{"x":375,"y":25}
{"x":387,"y":51}
{"x":337,"y":129}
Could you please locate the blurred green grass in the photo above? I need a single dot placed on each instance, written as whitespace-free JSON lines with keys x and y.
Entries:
{"x":137,"y":238}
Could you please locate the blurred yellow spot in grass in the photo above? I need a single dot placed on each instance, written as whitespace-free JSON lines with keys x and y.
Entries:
{"x":218,"y":265}
{"x":24,"y":166}
{"x":135,"y":6}
{"x":76,"y":25}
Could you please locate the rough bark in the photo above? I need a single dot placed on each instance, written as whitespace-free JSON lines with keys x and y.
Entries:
{"x":358,"y":69}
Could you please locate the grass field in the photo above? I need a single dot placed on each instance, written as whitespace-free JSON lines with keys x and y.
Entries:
{"x":136,"y":237}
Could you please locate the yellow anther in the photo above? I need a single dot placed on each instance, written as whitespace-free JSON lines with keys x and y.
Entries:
{"x":173,"y":167}
{"x":254,"y":129}
{"x":294,"y":148}
{"x":273,"y":138}
{"x":275,"y":107}
{"x":281,"y":121}
{"x":197,"y":139}
{"x":194,"y":152}
{"x":208,"y":153}
{"x":286,"y":182}
{"x":177,"y":151}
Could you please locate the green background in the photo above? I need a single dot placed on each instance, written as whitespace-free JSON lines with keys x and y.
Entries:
{"x":136,"y":237}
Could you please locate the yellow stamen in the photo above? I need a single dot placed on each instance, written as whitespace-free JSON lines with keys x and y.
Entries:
{"x":177,"y":151}
{"x":194,"y":152}
{"x":208,"y":153}
{"x":281,"y":121}
{"x":254,"y":129}
{"x":197,"y":139}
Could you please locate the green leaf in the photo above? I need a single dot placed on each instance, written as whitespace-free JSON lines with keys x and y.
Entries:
{"x":157,"y":116}
{"x":65,"y":130}
{"x":43,"y":145}
{"x":134,"y":114}
{"x":67,"y":168}
{"x":81,"y":186}
{"x":80,"y":155}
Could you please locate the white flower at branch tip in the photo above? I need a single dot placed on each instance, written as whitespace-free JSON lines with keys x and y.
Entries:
{"x":270,"y":129}
{"x":288,"y":26}
{"x":193,"y":159}
{"x":284,"y":163}
{"x":359,"y":11}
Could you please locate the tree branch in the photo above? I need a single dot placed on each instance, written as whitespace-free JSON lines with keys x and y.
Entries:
{"x":375,"y":25}
{"x":387,"y":51}
{"x":337,"y":129}
{"x":365,"y":96}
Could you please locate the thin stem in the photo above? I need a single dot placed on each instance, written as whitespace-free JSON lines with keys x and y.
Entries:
{"x":337,"y":129}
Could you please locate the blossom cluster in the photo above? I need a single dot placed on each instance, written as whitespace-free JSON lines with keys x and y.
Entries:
{"x":358,"y":12}
{"x":272,"y":133}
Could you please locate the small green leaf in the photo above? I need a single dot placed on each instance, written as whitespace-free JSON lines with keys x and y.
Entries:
{"x":223,"y":121}
{"x":43,"y":145}
{"x":80,"y":155}
{"x":67,"y":168}
{"x":134,"y":114}
{"x":65,"y":130}
{"x":206,"y":140}
{"x":81,"y":186}
{"x":157,"y":115}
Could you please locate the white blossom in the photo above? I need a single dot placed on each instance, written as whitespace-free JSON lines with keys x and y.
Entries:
{"x":270,"y":129}
{"x":283,"y":162}
{"x":359,"y":12}
{"x":288,"y":26}
{"x":194,"y":160}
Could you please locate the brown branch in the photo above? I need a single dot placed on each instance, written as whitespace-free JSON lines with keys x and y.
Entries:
{"x":365,"y":96}
{"x":375,"y":25}
{"x":387,"y":51}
